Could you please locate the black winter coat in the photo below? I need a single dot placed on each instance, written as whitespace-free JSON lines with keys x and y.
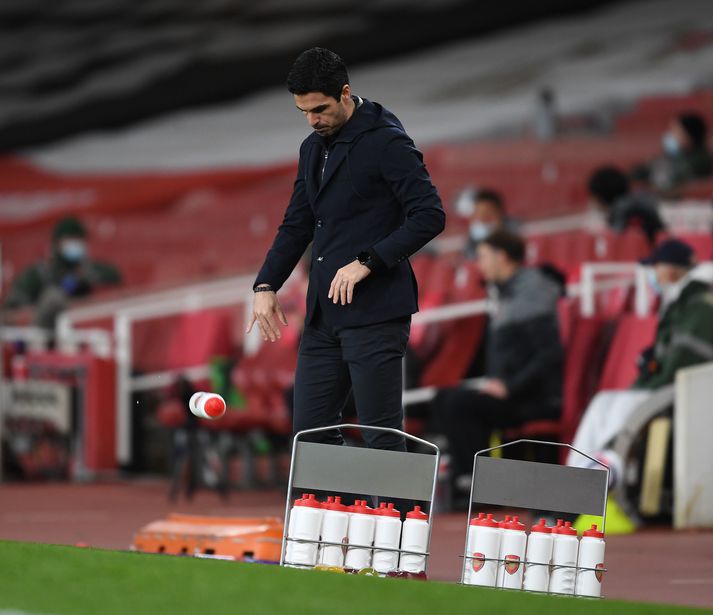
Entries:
{"x":375,"y":195}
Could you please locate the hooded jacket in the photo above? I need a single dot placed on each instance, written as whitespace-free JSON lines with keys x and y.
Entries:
{"x":524,"y":348}
{"x":375,"y":195}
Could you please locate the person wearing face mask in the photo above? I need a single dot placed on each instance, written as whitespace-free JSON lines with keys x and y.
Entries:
{"x":485,"y":211}
{"x":68,"y":273}
{"x":686,"y":155}
{"x":684,"y":337}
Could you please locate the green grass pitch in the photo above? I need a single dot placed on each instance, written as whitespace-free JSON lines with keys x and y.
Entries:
{"x":56,"y":580}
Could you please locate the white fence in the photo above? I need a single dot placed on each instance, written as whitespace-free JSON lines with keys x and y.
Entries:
{"x":125,"y":313}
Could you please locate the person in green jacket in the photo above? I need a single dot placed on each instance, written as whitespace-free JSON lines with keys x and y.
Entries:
{"x":48,"y":286}
{"x":684,"y":337}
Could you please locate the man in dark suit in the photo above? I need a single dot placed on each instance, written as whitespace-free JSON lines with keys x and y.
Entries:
{"x":364,"y":199}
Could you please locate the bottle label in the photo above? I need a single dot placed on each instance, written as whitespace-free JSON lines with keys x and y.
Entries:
{"x":512,"y":564}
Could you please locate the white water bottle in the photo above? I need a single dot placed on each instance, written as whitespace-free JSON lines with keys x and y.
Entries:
{"x":484,"y":549}
{"x":512,"y":554}
{"x":362,"y":524}
{"x":590,"y":564}
{"x":564,"y":559}
{"x":305,"y":524}
{"x":414,"y":537}
{"x":538,"y":558}
{"x":387,"y":536}
{"x":335,"y":526}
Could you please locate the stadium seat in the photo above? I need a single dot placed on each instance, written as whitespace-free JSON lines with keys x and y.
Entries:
{"x":632,"y":335}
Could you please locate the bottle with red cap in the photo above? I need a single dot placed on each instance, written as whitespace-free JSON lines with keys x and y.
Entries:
{"x":387,"y":536}
{"x":305,"y":525}
{"x":207,"y":405}
{"x":335,"y":526}
{"x":512,"y":554}
{"x":414,"y":537}
{"x":362,"y":524}
{"x":590,"y":565}
{"x":538,"y":558}
{"x":483,"y":549}
{"x":564,"y":559}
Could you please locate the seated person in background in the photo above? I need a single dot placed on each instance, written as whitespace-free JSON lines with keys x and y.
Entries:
{"x":610,"y":191}
{"x":49,"y":285}
{"x":485,"y":212}
{"x":686,"y":156}
{"x":684,"y":337}
{"x":524,"y":356}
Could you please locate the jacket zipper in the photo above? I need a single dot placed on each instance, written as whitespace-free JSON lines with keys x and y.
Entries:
{"x":324,"y":164}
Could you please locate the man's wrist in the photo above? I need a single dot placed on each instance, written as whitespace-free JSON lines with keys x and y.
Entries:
{"x":262,"y":288}
{"x":370,"y":259}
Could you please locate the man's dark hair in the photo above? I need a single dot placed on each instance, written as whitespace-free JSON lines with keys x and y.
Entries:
{"x":510,"y":243}
{"x":608,"y":184}
{"x":695,"y":127}
{"x":318,"y":70}
{"x":493,"y":197}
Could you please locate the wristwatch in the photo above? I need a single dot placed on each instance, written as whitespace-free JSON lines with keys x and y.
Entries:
{"x":365,"y":259}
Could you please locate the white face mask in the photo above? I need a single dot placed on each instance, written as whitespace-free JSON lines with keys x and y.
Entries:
{"x":479,"y":230}
{"x":73,"y":250}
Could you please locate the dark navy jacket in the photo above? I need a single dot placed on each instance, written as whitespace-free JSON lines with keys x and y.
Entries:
{"x":375,"y":195}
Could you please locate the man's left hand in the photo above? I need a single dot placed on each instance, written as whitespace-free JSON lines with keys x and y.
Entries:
{"x":494,"y":388}
{"x":341,"y":290}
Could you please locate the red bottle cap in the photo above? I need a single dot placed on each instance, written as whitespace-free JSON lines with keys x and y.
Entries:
{"x":359,"y":507}
{"x":417,"y":513}
{"x":513,"y":524}
{"x":484,"y":521}
{"x":566,"y":529}
{"x":541,"y":527}
{"x":309,"y":501}
{"x":505,"y":521}
{"x":387,"y":510}
{"x":593,"y":533}
{"x":337,"y":505}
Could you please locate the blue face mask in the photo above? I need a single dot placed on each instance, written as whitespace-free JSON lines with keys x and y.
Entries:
{"x":479,"y":230}
{"x":73,"y":251}
{"x":654,"y":282}
{"x":670,"y":144}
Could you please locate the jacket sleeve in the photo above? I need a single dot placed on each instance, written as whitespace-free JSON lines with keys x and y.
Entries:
{"x":547,"y":354}
{"x":403,"y":170}
{"x":25,"y":289}
{"x":691,"y":344}
{"x":293,"y":236}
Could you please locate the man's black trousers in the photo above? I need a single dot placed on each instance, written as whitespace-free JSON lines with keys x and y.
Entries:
{"x":366,"y":360}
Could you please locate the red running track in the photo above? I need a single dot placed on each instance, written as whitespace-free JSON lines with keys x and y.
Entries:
{"x":659,"y":566}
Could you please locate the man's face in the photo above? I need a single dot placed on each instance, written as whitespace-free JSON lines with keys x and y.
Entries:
{"x":324,"y":114}
{"x":489,"y":262}
{"x":667,"y":274}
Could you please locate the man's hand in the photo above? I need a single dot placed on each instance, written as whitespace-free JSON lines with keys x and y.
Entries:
{"x":495,"y":388}
{"x":265,"y":307}
{"x":342,"y":287}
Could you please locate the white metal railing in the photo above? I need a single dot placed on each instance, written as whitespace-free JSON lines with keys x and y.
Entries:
{"x":237,"y":291}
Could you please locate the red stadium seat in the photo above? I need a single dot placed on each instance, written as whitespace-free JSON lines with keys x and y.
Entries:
{"x":460,"y":338}
{"x":632,"y":335}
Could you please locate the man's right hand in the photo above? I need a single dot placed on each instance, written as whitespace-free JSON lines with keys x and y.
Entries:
{"x":265,"y":308}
